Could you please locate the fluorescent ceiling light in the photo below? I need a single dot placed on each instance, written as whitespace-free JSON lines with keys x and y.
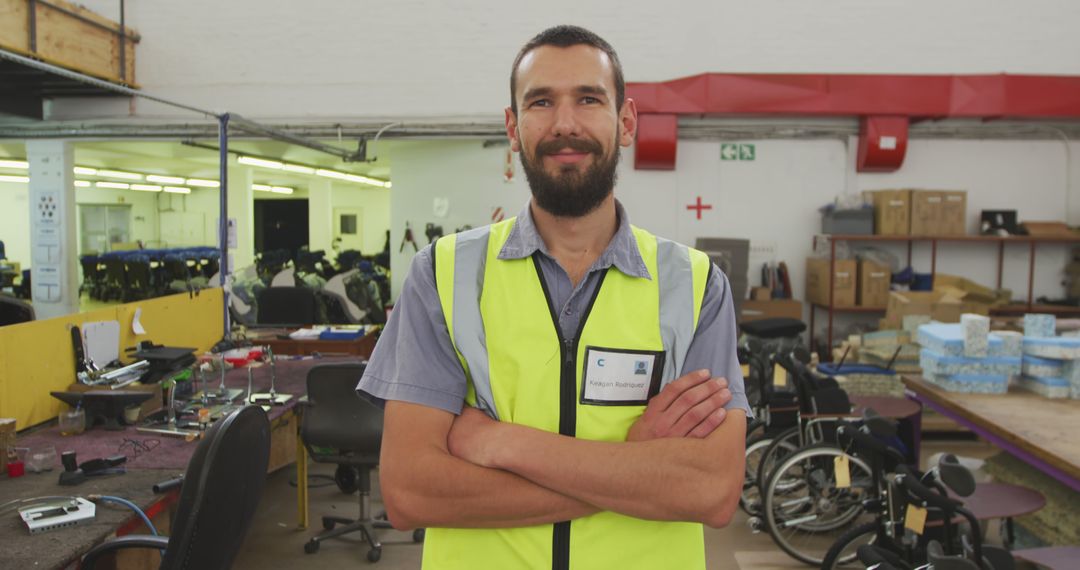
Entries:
{"x":177,"y":190}
{"x":120,"y":174}
{"x":352,"y":178}
{"x":20,"y":164}
{"x":164,"y":179}
{"x":85,"y":170}
{"x":252,"y":161}
{"x":330,"y":174}
{"x":261,"y":187}
{"x":10,"y":178}
{"x":203,"y":183}
{"x":298,"y":168}
{"x":117,"y":185}
{"x":281,"y":190}
{"x":82,"y":183}
{"x":146,"y":187}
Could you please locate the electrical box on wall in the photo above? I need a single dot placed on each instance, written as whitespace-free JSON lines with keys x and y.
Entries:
{"x":52,"y":239}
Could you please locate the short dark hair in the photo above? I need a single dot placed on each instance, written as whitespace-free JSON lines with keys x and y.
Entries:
{"x":566,"y":36}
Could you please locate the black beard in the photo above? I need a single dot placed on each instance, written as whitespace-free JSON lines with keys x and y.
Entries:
{"x":571,"y":194}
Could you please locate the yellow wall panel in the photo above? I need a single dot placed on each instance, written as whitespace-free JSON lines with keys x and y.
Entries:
{"x":36,"y":358}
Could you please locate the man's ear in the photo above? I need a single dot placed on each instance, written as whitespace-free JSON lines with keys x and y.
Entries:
{"x":628,"y":123}
{"x":511,"y":130}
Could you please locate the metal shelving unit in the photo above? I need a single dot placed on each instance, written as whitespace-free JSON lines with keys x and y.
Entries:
{"x":1032,"y":241}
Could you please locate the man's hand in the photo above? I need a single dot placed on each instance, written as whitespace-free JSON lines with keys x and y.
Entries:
{"x":692,"y":406}
{"x":473,"y":437}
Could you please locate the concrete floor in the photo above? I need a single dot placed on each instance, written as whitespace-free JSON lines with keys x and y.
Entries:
{"x":275,"y":542}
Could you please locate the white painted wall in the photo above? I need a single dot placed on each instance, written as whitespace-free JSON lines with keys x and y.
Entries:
{"x":15,"y":215}
{"x":144,"y":210}
{"x":15,"y":221}
{"x":461,"y":171}
{"x":422,"y":58}
{"x":772,"y":201}
{"x":375,"y":203}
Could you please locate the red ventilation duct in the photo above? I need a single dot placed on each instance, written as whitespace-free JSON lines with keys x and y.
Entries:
{"x":882,"y":99}
{"x":657,"y":140}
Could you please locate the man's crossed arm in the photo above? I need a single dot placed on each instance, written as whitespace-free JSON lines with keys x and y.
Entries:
{"x":683,"y":460}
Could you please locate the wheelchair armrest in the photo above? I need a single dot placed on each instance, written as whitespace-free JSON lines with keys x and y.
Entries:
{"x":129,"y":541}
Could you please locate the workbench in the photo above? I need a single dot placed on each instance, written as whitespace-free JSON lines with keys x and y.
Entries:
{"x":1039,"y":431}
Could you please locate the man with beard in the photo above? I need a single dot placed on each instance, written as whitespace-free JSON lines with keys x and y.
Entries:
{"x":562,"y":389}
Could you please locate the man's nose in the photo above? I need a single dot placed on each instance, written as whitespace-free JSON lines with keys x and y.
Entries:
{"x":566,"y":123}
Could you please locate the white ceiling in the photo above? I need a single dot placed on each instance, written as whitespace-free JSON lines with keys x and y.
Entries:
{"x":156,"y":157}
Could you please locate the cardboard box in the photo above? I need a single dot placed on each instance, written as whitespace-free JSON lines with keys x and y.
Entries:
{"x":754,"y":310}
{"x":953,"y":213}
{"x":817,"y":282}
{"x":760,"y":293}
{"x":968,"y":290}
{"x":892,"y":211}
{"x":938,"y":305}
{"x":7,"y":441}
{"x":926,"y":210}
{"x":874,"y":280}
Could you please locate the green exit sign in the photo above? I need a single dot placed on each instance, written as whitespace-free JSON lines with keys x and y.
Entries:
{"x":737,"y":151}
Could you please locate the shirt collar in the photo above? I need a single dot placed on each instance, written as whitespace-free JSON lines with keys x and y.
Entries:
{"x":622,"y":251}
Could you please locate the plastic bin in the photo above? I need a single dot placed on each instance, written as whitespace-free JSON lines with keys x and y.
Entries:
{"x":849,"y":222}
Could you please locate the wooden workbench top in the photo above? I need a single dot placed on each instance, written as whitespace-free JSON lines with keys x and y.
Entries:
{"x":1043,"y":427}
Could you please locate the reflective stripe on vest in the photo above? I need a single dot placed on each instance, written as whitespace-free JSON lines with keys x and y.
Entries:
{"x":508,"y":340}
{"x":464,"y":258}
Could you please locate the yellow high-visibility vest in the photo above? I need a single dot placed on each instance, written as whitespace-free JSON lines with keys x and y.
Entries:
{"x":505,"y":330}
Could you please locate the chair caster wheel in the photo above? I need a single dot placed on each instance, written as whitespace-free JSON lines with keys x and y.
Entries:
{"x":374,"y":554}
{"x":311,"y":546}
{"x":418,"y":535}
{"x":328,"y":524}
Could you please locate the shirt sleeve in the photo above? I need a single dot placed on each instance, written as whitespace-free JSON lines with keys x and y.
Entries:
{"x":714,"y":346}
{"x":414,"y":360}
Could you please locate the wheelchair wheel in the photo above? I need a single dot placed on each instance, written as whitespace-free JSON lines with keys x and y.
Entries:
{"x":784,"y":444}
{"x":804,"y":511}
{"x":750,"y":500}
{"x":844,"y":552}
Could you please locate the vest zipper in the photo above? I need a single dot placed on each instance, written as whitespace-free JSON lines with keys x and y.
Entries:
{"x":560,"y":534}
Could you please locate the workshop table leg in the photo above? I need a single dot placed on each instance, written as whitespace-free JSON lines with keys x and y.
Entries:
{"x":301,"y":484}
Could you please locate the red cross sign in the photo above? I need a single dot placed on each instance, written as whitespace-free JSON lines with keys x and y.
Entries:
{"x":699,"y":207}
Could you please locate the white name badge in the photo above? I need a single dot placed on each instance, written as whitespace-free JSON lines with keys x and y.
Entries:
{"x":619,"y":377}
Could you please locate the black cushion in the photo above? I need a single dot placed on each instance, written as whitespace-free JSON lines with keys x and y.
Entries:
{"x":779,"y":327}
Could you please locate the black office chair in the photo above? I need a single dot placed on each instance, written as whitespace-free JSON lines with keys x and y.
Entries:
{"x":13,"y":311}
{"x":286,"y":306}
{"x":222,"y":487}
{"x":337,"y":419}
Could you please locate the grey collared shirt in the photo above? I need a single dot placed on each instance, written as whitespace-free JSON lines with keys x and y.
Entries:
{"x":415,"y":361}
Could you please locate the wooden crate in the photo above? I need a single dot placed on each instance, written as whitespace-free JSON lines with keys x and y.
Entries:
{"x":69,"y":36}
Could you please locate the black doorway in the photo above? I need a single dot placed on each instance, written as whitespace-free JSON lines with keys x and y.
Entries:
{"x":281,"y":224}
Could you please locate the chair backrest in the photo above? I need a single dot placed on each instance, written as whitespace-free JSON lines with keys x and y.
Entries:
{"x":286,"y":306}
{"x":284,"y":278}
{"x":338,"y":417}
{"x":222,"y":487}
{"x":13,"y":311}
{"x":336,"y":286}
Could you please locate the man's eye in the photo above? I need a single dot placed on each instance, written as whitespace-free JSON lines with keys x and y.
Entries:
{"x":540,"y":103}
{"x":589,"y":100}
